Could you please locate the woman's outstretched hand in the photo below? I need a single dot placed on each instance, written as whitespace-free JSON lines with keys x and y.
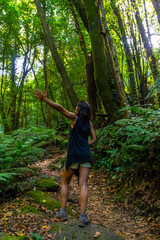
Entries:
{"x":39,"y":94}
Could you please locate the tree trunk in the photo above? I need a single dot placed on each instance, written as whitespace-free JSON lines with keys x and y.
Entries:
{"x":133,"y":92}
{"x":156,"y":4}
{"x":150,"y":54}
{"x":45,"y":51}
{"x":70,"y":91}
{"x":13,"y":93}
{"x":99,"y":61}
{"x":80,"y":9}
{"x":91,"y":86}
{"x":113,"y":58}
{"x":19,"y":102}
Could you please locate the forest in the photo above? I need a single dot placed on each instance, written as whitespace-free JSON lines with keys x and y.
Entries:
{"x":105,"y":52}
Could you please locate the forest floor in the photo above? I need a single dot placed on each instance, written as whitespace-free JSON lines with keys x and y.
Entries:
{"x":127,"y":221}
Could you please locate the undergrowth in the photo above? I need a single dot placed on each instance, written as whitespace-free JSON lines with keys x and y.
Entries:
{"x":129,"y":143}
{"x":21,"y":148}
{"x":129,"y":153}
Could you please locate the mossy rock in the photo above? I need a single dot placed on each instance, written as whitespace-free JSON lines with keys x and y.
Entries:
{"x":8,"y":237}
{"x":29,"y":209}
{"x":48,"y":184}
{"x":46,"y":200}
{"x":71,"y":231}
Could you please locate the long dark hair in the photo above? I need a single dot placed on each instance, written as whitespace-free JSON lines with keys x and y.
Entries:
{"x":84,"y":111}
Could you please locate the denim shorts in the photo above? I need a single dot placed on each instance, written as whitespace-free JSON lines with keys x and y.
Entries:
{"x":83,"y":164}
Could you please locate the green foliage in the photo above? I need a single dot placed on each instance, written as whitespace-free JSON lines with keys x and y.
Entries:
{"x":6,"y":176}
{"x":130,"y":142}
{"x":155,"y":88}
{"x":34,"y":236}
{"x":21,"y":148}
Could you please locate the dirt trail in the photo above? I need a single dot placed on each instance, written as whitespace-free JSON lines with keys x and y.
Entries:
{"x":102,"y":210}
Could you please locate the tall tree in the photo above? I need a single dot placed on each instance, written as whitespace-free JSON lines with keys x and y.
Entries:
{"x":101,"y":68}
{"x":91,"y":85}
{"x":149,"y":51}
{"x":70,"y":91}
{"x":128,"y":53}
{"x":113,"y":57}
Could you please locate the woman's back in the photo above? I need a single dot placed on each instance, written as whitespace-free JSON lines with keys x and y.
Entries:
{"x":78,"y":148}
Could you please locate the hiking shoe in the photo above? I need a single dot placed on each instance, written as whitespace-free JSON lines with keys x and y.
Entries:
{"x":61,"y":214}
{"x":83,"y":221}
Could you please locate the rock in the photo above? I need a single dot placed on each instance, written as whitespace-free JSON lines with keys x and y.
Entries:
{"x":48,"y":184}
{"x":29,"y":209}
{"x":71,"y":231}
{"x":44,"y":199}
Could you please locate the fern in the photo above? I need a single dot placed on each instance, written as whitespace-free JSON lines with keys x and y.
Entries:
{"x":130,"y":141}
{"x":7,"y":176}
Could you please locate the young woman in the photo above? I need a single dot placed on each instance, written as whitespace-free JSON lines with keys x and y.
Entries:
{"x":78,"y":154}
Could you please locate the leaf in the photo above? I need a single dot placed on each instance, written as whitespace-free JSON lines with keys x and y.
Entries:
{"x":97,"y":235}
{"x":38,"y":237}
{"x":149,"y":219}
{"x":44,"y":227}
{"x":9,"y":214}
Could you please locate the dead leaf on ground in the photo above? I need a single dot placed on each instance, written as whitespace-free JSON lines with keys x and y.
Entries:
{"x":97,"y":234}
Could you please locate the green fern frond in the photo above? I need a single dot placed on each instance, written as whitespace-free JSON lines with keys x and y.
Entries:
{"x":6,"y":176}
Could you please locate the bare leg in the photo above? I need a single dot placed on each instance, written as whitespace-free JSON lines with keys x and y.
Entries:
{"x":83,"y":182}
{"x":67,"y":175}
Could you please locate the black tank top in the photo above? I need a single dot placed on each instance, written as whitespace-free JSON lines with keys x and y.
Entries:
{"x":78,"y":148}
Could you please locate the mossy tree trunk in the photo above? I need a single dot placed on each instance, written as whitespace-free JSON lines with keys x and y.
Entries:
{"x":101,"y":68}
{"x":91,"y":86}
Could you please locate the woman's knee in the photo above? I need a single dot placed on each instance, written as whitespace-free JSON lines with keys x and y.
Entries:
{"x":83,"y":184}
{"x":83,"y":180}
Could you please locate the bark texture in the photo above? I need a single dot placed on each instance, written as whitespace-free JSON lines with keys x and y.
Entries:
{"x":101,"y":68}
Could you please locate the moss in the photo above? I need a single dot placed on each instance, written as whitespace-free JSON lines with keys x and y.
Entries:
{"x":7,"y":237}
{"x":29,"y":209}
{"x":72,"y":231}
{"x":49,"y":184}
{"x":54,"y":229}
{"x":44,"y":199}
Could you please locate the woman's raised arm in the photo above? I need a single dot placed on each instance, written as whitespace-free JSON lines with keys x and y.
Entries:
{"x":43,"y":97}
